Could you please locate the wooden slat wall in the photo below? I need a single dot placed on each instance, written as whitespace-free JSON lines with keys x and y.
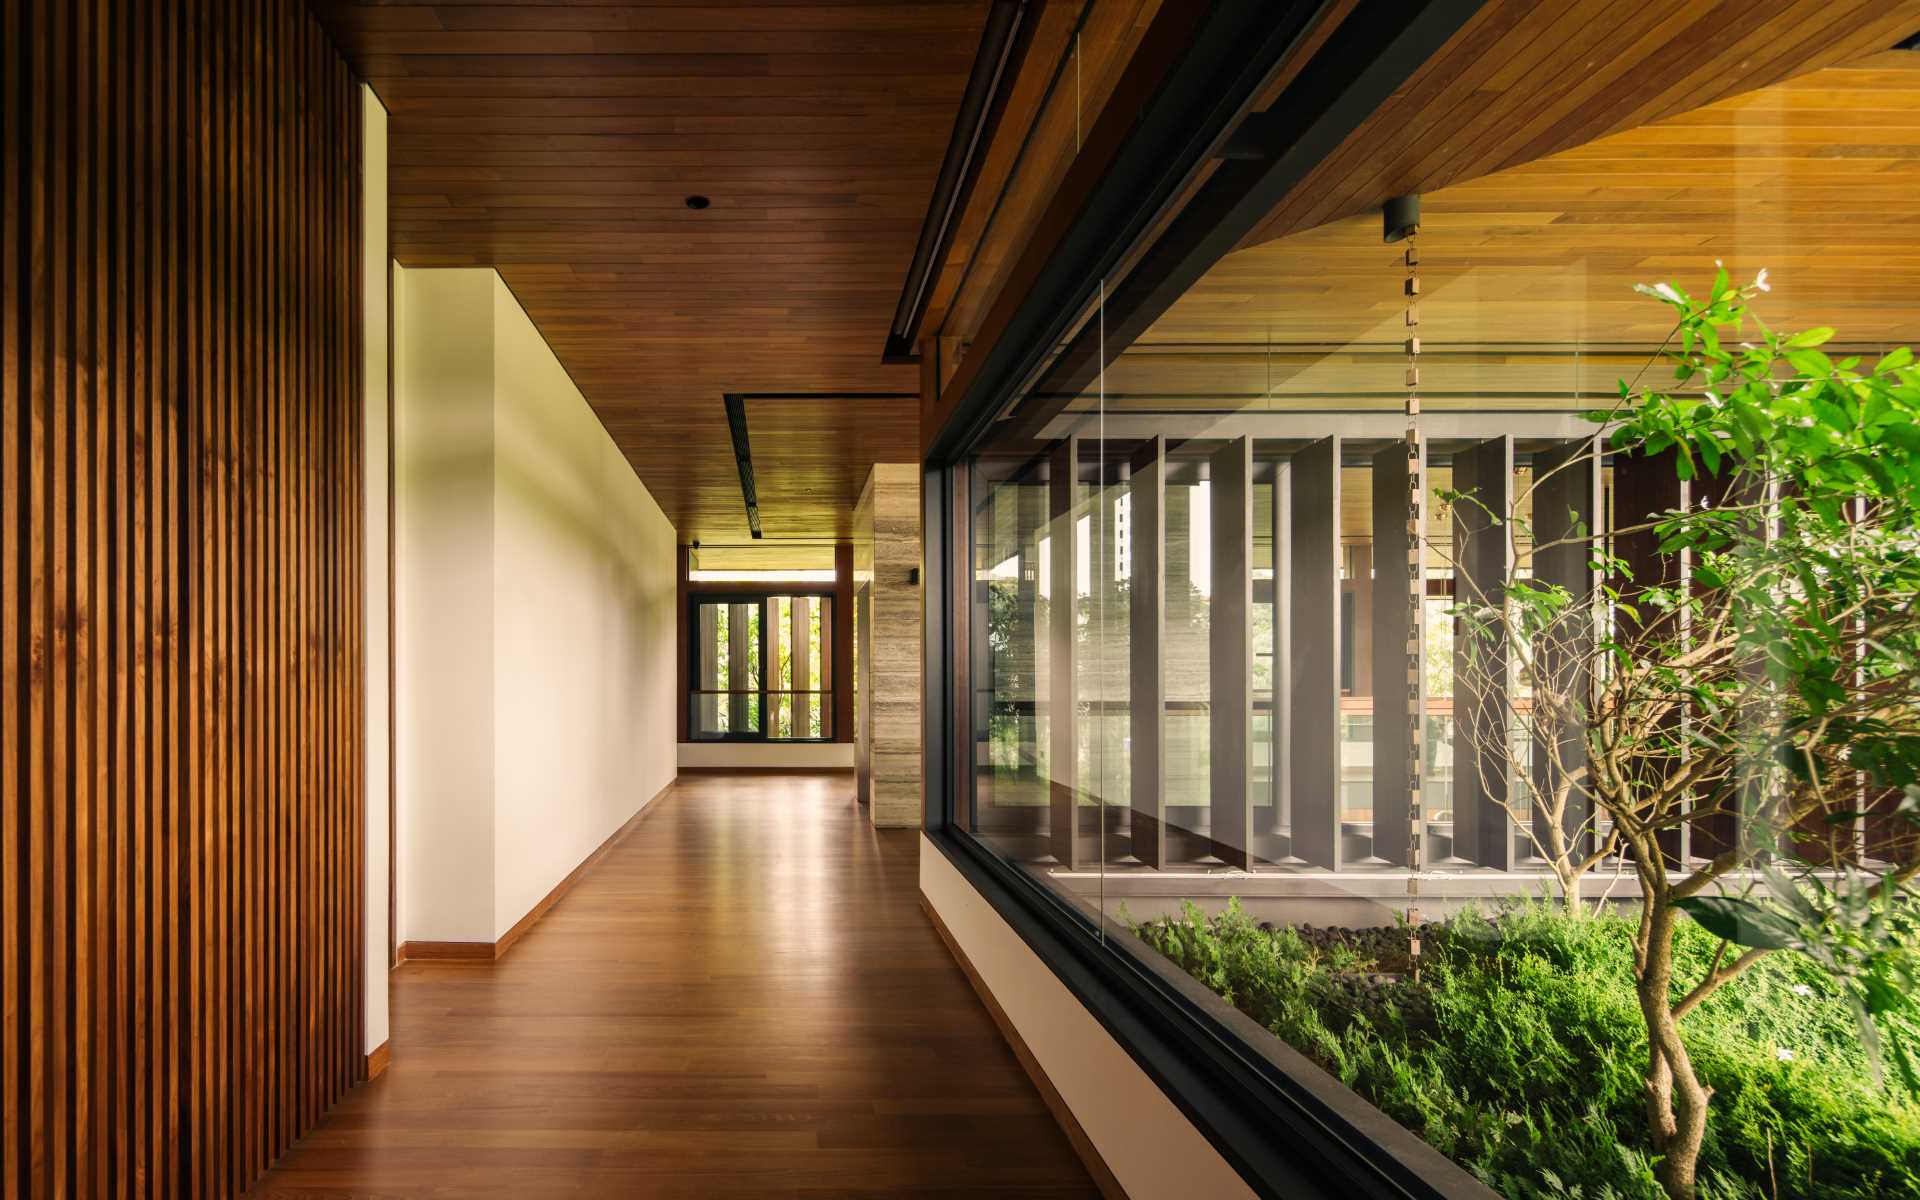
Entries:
{"x":180,"y":841}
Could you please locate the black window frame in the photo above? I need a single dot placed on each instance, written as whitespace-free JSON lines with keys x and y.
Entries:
{"x":1289,"y":1129}
{"x":763,"y":595}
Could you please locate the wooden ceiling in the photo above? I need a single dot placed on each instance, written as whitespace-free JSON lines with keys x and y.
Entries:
{"x":557,"y":142}
{"x":1524,"y":79}
{"x":1816,"y":179}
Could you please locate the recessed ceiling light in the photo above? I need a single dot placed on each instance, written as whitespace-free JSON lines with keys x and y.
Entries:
{"x":698,"y":202}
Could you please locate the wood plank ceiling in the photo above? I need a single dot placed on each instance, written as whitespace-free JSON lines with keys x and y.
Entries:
{"x":1816,"y":179}
{"x":1528,"y":78}
{"x":558,"y":142}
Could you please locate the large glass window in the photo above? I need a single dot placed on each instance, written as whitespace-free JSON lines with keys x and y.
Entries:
{"x":1249,"y":694}
{"x":762,"y":667}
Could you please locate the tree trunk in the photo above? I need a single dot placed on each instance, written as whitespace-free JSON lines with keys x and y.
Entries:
{"x":1676,"y":1100}
{"x":1570,"y":890}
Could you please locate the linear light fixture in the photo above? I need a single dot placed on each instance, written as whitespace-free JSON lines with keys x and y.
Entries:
{"x":736,"y":403}
{"x":743,"y":458}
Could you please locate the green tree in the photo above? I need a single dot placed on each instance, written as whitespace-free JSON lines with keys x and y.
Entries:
{"x":1771,"y":695}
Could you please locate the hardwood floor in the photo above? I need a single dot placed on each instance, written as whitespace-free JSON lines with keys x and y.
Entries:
{"x":743,"y":999}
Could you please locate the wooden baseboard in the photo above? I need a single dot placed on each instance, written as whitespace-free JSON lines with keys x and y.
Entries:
{"x":377,"y":1061}
{"x":1103,"y":1176}
{"x":446,"y":952}
{"x":766,"y":770}
{"x":560,"y":889}
{"x":492,"y":951}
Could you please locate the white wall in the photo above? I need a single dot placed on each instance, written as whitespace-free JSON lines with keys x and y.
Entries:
{"x":373,"y":282}
{"x":443,"y":561}
{"x":536,"y":628}
{"x":584,"y":603}
{"x":1152,"y":1149}
{"x":798,"y":756}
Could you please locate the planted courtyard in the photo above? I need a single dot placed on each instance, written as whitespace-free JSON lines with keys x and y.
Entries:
{"x":1519,"y":1050}
{"x":1729,"y":715}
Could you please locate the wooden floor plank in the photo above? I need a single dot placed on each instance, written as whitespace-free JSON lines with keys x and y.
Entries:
{"x":742,"y":999}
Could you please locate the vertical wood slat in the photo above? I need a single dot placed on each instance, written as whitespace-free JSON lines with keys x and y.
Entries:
{"x":180,"y":822}
{"x":1147,"y":650}
{"x":1483,"y":554}
{"x":775,"y":637}
{"x":799,"y":615}
{"x":97,"y":982}
{"x":1313,"y":635}
{"x":15,"y":107}
{"x":1230,"y":667}
{"x":56,"y":635}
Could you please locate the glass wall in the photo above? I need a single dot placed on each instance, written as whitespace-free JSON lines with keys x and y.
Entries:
{"x":1246,"y":693}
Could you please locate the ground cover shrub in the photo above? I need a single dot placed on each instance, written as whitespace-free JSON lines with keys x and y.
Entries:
{"x":1520,"y":1050}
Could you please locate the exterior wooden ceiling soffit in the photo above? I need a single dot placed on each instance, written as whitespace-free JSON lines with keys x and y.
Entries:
{"x":1816,"y":179}
{"x":1528,"y":78}
{"x":1518,"y":80}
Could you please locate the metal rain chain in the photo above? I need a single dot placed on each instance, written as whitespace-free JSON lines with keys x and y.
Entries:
{"x":1401,"y":223}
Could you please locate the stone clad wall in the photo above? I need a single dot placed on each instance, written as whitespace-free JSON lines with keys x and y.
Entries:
{"x":886,"y":553}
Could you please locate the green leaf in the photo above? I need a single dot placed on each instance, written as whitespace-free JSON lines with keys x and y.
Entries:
{"x":1808,"y":338}
{"x":1810,"y":363}
{"x":1893,"y":361}
{"x":1741,"y":922}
